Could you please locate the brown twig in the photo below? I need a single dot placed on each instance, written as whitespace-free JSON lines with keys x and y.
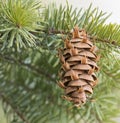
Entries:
{"x":31,"y":67}
{"x":52,"y":31}
{"x":15,"y":109}
{"x":106,"y":41}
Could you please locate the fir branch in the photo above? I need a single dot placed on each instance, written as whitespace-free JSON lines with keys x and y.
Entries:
{"x":46,"y":33}
{"x":15,"y":109}
{"x":31,"y":67}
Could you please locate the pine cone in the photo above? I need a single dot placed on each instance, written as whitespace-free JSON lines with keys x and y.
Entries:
{"x":78,"y":60}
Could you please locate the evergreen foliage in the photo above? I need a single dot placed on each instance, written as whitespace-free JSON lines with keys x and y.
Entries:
{"x":29,"y":38}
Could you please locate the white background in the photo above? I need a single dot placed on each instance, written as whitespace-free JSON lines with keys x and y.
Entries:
{"x":109,"y":6}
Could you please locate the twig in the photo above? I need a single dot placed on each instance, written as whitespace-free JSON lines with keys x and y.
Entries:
{"x":106,"y":41}
{"x":33,"y":68}
{"x":52,"y":31}
{"x":14,"y":108}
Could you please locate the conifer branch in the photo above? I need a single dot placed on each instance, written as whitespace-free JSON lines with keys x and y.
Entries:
{"x":15,"y":109}
{"x":42,"y":32}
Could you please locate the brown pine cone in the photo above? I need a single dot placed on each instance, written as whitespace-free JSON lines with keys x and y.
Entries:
{"x":78,"y":59}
